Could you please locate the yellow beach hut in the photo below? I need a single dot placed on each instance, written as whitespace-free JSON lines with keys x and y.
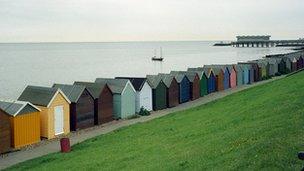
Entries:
{"x":55,"y":109}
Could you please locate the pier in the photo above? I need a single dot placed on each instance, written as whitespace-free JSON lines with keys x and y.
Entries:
{"x":264,"y":41}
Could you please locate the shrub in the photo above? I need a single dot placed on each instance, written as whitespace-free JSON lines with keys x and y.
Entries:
{"x":144,"y":112}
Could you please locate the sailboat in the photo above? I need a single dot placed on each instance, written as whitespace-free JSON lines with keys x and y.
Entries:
{"x":155,"y":58}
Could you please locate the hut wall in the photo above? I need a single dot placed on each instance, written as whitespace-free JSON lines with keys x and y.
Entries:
{"x":84,"y":112}
{"x":128,"y":102}
{"x":212,"y":83}
{"x":5,"y":132}
{"x":105,"y":106}
{"x":240,"y":77}
{"x":185,"y":90}
{"x":144,"y":98}
{"x":160,"y":97}
{"x":300,"y":63}
{"x":173,"y":94}
{"x":203,"y":86}
{"x":233,"y":79}
{"x":117,"y":106}
{"x":246,"y":75}
{"x":47,"y":119}
{"x":195,"y":87}
{"x":220,"y":82}
{"x":25,"y":129}
{"x":226,"y":79}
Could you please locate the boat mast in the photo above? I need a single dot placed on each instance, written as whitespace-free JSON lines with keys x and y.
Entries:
{"x":161,"y":53}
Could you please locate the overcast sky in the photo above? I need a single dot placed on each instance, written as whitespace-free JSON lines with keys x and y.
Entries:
{"x":148,"y":20}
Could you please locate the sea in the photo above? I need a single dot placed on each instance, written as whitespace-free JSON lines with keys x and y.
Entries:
{"x":44,"y":64}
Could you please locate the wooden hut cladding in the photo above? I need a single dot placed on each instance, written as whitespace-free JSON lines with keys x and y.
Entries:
{"x":211,"y":80}
{"x":55,"y":109}
{"x":288,"y":64}
{"x":255,"y":71}
{"x":232,"y":76}
{"x":300,"y":62}
{"x":124,"y":96}
{"x":23,"y":127}
{"x":219,"y":77}
{"x":81,"y":107}
{"x":5,"y":132}
{"x":273,"y":66}
{"x":172,"y":89}
{"x":247,"y":73}
{"x":103,"y":101}
{"x":194,"y":79}
{"x":143,"y":93}
{"x":294,"y":64}
{"x":159,"y":92}
{"x":184,"y":87}
{"x":203,"y":80}
{"x":240,"y":74}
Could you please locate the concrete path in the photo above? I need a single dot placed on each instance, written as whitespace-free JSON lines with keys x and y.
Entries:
{"x":51,"y":146}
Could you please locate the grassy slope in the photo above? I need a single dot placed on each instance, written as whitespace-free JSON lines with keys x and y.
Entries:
{"x":257,"y":128}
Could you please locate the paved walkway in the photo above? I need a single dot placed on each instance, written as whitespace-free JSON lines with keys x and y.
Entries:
{"x":51,"y":146}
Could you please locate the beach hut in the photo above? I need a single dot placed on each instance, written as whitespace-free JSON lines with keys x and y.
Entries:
{"x":232,"y":76}
{"x":294,"y":64}
{"x":219,"y":75}
{"x":300,"y":62}
{"x":81,"y":107}
{"x":172,"y":89}
{"x":143,"y":93}
{"x":240,"y":74}
{"x":211,"y":80}
{"x":103,"y":101}
{"x":288,"y":64}
{"x":55,"y":109}
{"x":226,"y":75}
{"x":5,"y":132}
{"x":184,"y":87}
{"x":254,"y":71}
{"x":124,"y":96}
{"x":23,"y":127}
{"x":159,"y":92}
{"x":273,"y":66}
{"x":203,"y":80}
{"x":248,"y":73}
{"x":194,"y":79}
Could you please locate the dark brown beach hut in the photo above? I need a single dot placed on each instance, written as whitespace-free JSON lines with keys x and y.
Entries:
{"x":194,"y":79}
{"x":5,"y":132}
{"x":81,"y":107}
{"x":172,"y":89}
{"x":103,"y":101}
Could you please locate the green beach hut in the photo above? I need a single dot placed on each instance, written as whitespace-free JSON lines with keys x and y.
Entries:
{"x":123,"y":96}
{"x":159,"y":92}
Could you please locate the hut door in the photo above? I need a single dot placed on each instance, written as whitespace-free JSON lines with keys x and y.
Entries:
{"x":58,"y":120}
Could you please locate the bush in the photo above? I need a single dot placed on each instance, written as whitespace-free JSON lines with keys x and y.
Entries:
{"x":144,"y":112}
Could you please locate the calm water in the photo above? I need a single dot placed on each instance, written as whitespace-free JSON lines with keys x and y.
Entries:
{"x":47,"y":63}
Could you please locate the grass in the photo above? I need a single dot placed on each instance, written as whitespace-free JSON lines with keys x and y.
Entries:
{"x":257,"y":129}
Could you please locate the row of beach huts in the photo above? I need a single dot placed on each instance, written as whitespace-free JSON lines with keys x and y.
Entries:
{"x":49,"y":112}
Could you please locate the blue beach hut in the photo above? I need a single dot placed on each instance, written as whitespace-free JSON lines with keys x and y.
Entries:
{"x":184,"y":87}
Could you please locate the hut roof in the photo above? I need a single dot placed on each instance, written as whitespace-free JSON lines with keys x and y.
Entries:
{"x":42,"y":96}
{"x":14,"y":108}
{"x":73,"y":92}
{"x":215,"y":68}
{"x":167,"y":79}
{"x":116,"y":85}
{"x":153,"y":80}
{"x":200,"y":71}
{"x":189,"y":74}
{"x":95,"y":89}
{"x":178,"y":76}
{"x":137,"y":82}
